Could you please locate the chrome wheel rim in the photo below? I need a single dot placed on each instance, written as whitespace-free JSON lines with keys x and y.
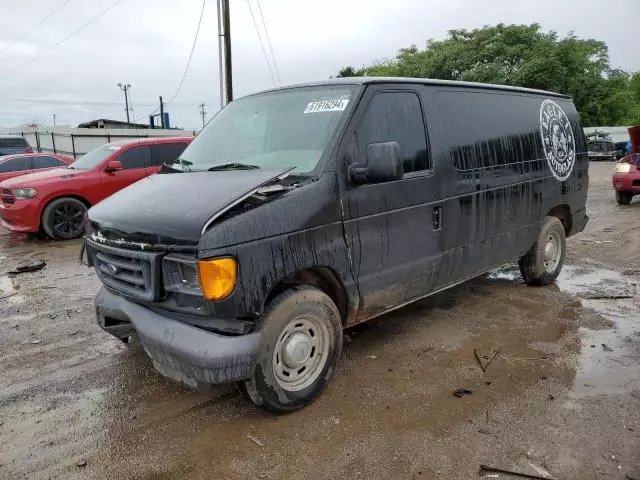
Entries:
{"x":300,"y":353}
{"x":552,"y":252}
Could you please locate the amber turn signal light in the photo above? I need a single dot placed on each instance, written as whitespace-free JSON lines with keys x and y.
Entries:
{"x":217,"y":277}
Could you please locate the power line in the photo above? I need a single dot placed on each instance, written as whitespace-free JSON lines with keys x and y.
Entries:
{"x":266,"y":31}
{"x":264,"y":52}
{"x":45,"y":101}
{"x":186,"y":70}
{"x":55,"y":45}
{"x":47,"y":17}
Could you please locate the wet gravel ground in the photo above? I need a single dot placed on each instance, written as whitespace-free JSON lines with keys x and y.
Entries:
{"x":562,"y":396}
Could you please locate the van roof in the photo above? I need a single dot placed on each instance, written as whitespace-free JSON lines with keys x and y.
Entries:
{"x":421,"y":81}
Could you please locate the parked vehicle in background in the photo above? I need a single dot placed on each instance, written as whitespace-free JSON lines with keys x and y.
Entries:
{"x":303,"y":210}
{"x":602,"y":150}
{"x":12,"y":144}
{"x":16,"y":165}
{"x":626,"y":179}
{"x":56,"y":201}
{"x":621,"y":150}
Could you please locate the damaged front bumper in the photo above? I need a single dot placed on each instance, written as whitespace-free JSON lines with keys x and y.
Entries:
{"x":187,"y":354}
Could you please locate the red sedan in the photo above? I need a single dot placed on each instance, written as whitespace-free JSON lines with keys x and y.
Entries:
{"x":626,"y":180}
{"x":15,"y":165}
{"x":55,"y":201}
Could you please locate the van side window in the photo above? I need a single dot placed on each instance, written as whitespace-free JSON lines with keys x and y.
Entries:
{"x":395,"y":117}
{"x":490,"y":129}
{"x":136,"y":157}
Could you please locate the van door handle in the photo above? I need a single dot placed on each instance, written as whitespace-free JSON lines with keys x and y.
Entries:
{"x":436,"y":217}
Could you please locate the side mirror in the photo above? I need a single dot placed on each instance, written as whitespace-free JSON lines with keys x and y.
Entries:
{"x":383,"y":164}
{"x":113,"y":166}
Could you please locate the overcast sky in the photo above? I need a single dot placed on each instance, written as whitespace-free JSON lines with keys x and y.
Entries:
{"x":147,"y":43}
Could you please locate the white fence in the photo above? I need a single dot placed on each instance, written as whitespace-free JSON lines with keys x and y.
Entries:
{"x":78,"y":141}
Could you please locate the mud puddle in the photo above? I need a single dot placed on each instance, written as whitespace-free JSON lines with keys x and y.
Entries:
{"x":609,"y":327}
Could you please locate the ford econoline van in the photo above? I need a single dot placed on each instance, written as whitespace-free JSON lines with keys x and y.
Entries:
{"x":300,"y":211}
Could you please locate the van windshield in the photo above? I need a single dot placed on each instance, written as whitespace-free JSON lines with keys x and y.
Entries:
{"x":273,"y":130}
{"x":94,"y":157}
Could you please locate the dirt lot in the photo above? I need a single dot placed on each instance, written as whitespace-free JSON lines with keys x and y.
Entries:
{"x":562,"y":396}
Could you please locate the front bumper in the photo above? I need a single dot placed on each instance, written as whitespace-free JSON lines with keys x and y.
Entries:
{"x":179,"y":351}
{"x":22,"y":216}
{"x":627,"y":182}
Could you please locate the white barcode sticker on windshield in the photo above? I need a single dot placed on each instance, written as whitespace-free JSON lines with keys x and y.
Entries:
{"x":327,"y":106}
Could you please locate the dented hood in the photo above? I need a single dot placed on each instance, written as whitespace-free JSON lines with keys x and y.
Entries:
{"x":172,"y":209}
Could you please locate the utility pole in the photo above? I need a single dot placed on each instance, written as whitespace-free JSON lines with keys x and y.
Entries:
{"x":125,"y":88}
{"x":220,"y":52}
{"x":54,"y":119}
{"x":161,"y":113}
{"x":202,"y":113}
{"x":228,"y":77}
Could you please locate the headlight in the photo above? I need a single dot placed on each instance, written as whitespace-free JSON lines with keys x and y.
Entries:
{"x":24,"y":192}
{"x":623,"y":167}
{"x":180,"y":275}
{"x":217,"y":277}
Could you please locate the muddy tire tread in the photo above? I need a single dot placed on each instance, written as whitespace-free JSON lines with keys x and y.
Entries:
{"x":261,"y":388}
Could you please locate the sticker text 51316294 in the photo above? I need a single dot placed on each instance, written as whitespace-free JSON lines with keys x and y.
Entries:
{"x":336,"y":105}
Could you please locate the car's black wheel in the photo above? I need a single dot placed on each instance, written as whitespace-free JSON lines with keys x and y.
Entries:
{"x":623,"y":198}
{"x":542,"y":264}
{"x":299,"y":350}
{"x":63,"y":219}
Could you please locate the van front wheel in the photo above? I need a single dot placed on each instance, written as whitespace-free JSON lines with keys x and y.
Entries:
{"x":543,"y":262}
{"x":300,"y":347}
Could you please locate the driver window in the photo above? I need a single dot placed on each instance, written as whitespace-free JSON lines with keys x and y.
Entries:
{"x":136,"y":157}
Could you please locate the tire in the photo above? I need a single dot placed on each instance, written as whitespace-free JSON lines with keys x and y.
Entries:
{"x":623,"y":198}
{"x":63,"y":219}
{"x":299,"y":324}
{"x":542,"y":264}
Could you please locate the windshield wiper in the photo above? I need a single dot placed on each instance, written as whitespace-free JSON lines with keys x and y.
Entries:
{"x":185,"y":163}
{"x":233,"y":166}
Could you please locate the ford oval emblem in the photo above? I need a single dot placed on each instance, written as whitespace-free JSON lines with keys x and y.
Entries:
{"x":111,"y":269}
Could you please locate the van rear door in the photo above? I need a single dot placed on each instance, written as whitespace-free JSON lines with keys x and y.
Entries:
{"x":393,"y":228}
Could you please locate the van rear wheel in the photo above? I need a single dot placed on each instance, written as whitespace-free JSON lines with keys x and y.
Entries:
{"x":300,"y":347}
{"x":543,"y":262}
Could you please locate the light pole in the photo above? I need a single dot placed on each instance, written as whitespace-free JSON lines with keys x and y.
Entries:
{"x":125,"y":88}
{"x":203,"y":113}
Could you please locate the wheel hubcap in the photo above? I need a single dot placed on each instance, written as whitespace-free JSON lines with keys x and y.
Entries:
{"x":552,"y":252}
{"x":300,"y":353}
{"x":68,"y":220}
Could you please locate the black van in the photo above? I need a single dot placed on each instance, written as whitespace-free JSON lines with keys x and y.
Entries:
{"x":303,"y":210}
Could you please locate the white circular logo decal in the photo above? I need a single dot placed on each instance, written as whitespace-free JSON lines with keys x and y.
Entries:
{"x":557,"y":140}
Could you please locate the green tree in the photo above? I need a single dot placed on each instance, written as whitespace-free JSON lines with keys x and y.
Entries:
{"x":527,"y":56}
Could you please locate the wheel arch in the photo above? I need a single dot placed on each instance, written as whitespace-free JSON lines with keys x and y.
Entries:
{"x":563,"y":213}
{"x":321,"y":277}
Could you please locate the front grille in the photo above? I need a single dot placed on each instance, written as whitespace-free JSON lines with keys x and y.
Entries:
{"x":7,"y":197}
{"x":134,"y":273}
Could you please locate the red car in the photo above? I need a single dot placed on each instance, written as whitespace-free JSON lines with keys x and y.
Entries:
{"x":626,"y":180}
{"x":55,"y":201}
{"x":16,"y":165}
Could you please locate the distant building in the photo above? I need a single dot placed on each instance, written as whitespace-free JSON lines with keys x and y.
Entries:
{"x":106,"y":123}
